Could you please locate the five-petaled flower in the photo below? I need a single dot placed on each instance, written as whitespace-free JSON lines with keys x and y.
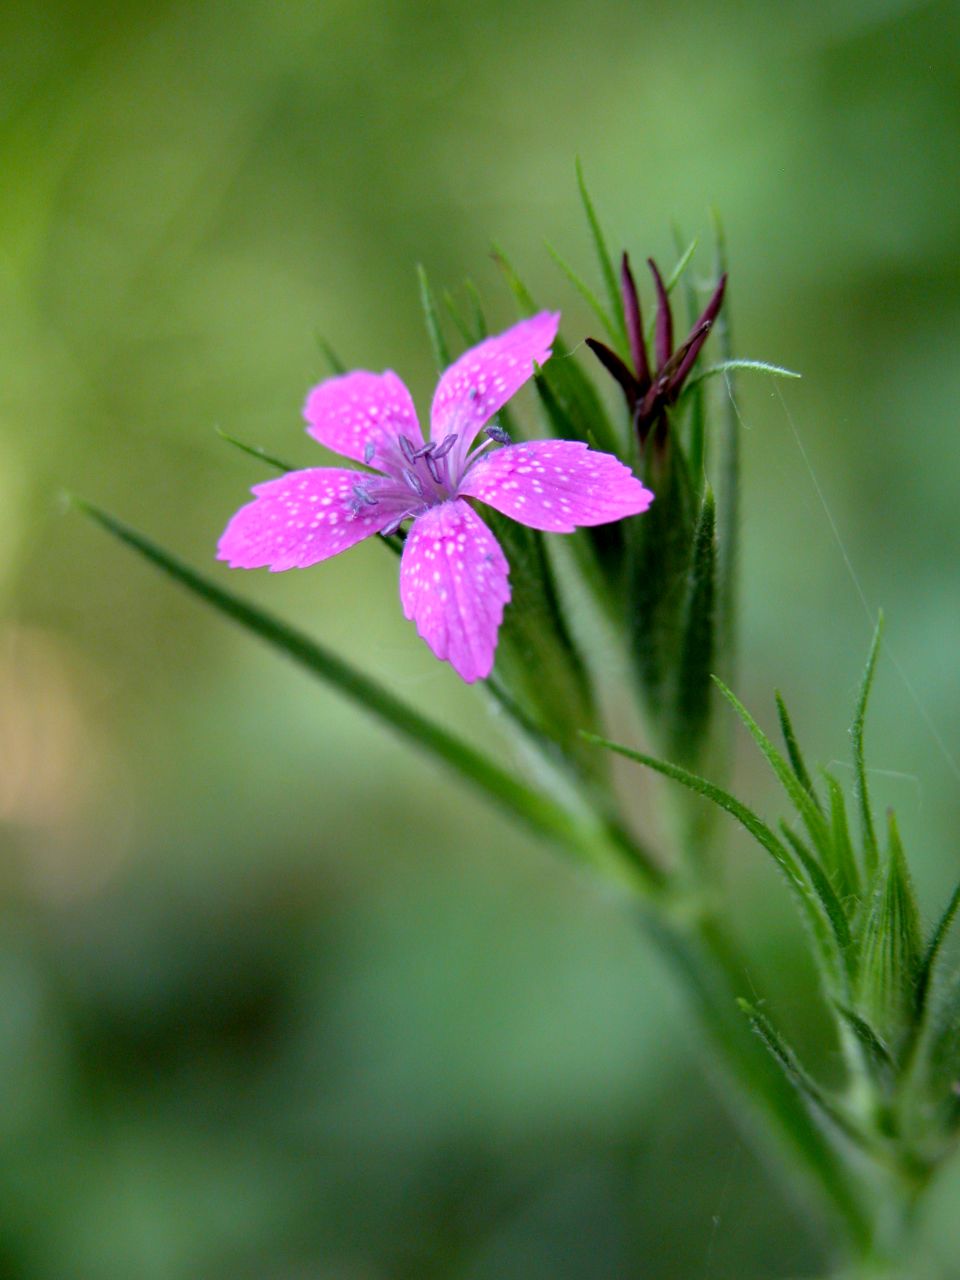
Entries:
{"x":453,"y":573}
{"x":650,"y":392}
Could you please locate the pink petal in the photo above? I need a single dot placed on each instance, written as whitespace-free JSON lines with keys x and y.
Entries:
{"x":556,"y":485}
{"x":298,"y":520}
{"x":484,"y":378}
{"x":453,"y":584}
{"x":358,"y":410}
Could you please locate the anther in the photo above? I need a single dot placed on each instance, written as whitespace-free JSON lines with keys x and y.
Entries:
{"x":431,"y":460}
{"x":496,"y":432}
{"x":407,"y":449}
{"x":445,"y":446}
{"x":369,"y":450}
{"x":412,"y":482}
{"x":423,"y":452}
{"x":365,"y":499}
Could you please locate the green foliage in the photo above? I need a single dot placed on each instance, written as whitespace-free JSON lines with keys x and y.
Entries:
{"x":603,"y":256}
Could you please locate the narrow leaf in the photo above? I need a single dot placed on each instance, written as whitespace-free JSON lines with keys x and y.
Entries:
{"x":728,"y":366}
{"x":255,"y":451}
{"x":333,"y":360}
{"x":786,"y":1056}
{"x":793,"y":751}
{"x":591,"y":299}
{"x":812,"y":817}
{"x":844,"y":860}
{"x":578,"y":835}
{"x":812,"y":907}
{"x":441,"y":352}
{"x":824,"y":890}
{"x":603,"y":256}
{"x":681,"y":265}
{"x":870,"y":852}
{"x":927,"y":964}
{"x":876,"y":1051}
{"x":728,"y":476}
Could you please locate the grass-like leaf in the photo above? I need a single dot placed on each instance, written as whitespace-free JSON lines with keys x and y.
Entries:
{"x":797,"y":1074}
{"x":254,"y":451}
{"x":580,"y":835}
{"x":811,"y":905}
{"x":794,"y":753}
{"x":873,"y":1046}
{"x":870,"y":852}
{"x":845,"y":864}
{"x":824,"y":890}
{"x":603,"y":256}
{"x":591,"y":299}
{"x":730,"y":366}
{"x":333,"y":360}
{"x":928,"y":963}
{"x":810,"y":813}
{"x":441,"y":352}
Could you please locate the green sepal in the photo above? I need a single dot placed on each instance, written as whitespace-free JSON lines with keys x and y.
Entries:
{"x":438,"y":344}
{"x":538,"y":662}
{"x":696,"y":415}
{"x":693,"y":696}
{"x":891,"y":947}
{"x":942,"y":1059}
{"x":658,"y":552}
{"x":875,"y":1051}
{"x":587,"y":837}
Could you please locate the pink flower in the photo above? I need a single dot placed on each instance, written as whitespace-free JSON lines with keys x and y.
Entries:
{"x":453,"y":574}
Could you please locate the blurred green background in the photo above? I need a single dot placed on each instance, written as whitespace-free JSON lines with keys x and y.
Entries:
{"x":277,"y":999}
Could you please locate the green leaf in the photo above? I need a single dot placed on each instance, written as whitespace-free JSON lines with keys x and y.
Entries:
{"x":696,"y":451}
{"x":845,"y":866}
{"x":572,"y":406}
{"x":812,"y":817}
{"x":870,"y":851}
{"x":824,"y":890}
{"x":255,"y":451}
{"x":891,"y":946}
{"x":333,"y":360}
{"x":694,"y":686}
{"x":603,"y":256}
{"x":441,"y":352}
{"x":811,"y":906}
{"x":877,"y":1053}
{"x":580,"y":835}
{"x":787,"y":1058}
{"x":730,"y":365}
{"x":591,"y":299}
{"x":928,"y":963}
{"x":793,"y":751}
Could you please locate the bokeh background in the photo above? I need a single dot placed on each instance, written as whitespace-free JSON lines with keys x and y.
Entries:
{"x":279,"y":1000}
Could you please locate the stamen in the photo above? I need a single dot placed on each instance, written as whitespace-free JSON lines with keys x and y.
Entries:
{"x":412,"y":481}
{"x":365,"y":499}
{"x":441,"y":450}
{"x":497,"y":433}
{"x":431,"y":460}
{"x":369,"y":450}
{"x":427,"y":449}
{"x":406,"y":447}
{"x":395,"y":524}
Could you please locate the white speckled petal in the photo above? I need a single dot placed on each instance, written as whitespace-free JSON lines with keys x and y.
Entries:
{"x":556,"y":485}
{"x":298,"y":520}
{"x":453,"y":584}
{"x":484,"y":378}
{"x":357,"y":411}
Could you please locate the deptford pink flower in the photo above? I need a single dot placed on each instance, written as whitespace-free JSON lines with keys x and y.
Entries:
{"x":453,"y":573}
